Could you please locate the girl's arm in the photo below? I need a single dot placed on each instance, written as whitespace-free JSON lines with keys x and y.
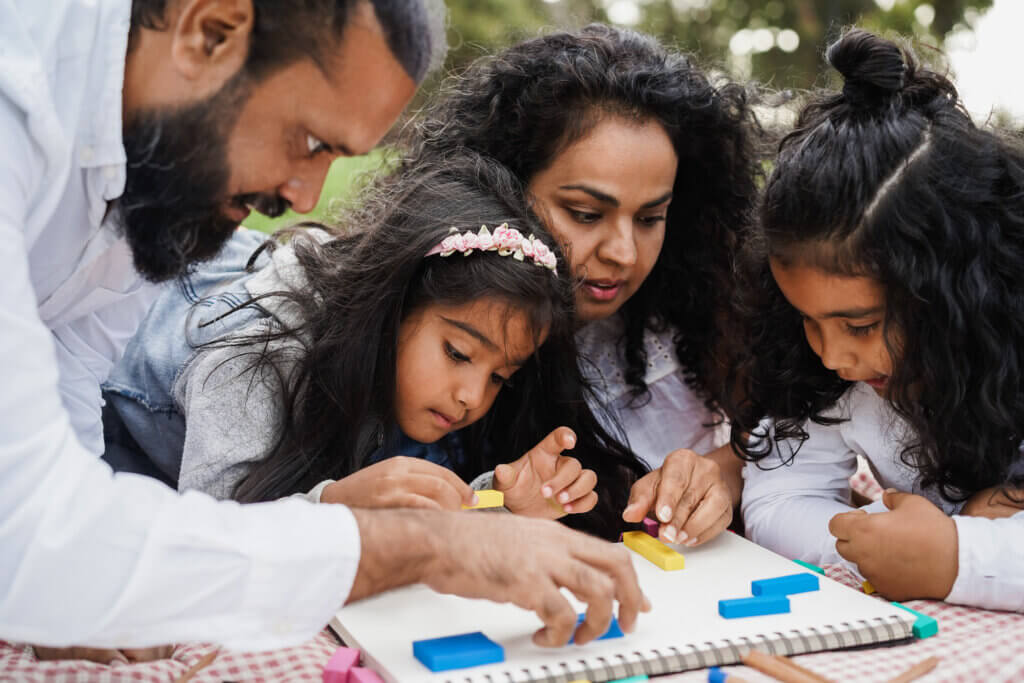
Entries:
{"x":787,"y":507}
{"x":990,"y":554}
{"x":232,"y":417}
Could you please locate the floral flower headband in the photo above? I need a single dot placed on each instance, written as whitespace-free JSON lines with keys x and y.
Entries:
{"x":505,"y":240}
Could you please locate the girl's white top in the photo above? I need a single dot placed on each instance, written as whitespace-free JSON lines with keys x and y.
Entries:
{"x":673,"y":417}
{"x":787,"y":508}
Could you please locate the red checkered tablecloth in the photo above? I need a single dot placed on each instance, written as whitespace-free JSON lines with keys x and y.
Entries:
{"x":974,"y":645}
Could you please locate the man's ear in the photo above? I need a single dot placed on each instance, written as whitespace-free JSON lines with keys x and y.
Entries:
{"x":210,"y":40}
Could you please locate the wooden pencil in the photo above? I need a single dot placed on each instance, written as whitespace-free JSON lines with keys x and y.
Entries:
{"x":916,"y":671}
{"x":204,"y":661}
{"x":780,"y":668}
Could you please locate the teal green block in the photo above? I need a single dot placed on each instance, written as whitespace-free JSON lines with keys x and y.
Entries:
{"x":631,"y":679}
{"x":812,"y":567}
{"x":925,"y":626}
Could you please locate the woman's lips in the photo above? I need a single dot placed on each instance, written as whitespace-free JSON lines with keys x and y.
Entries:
{"x":602,"y":290}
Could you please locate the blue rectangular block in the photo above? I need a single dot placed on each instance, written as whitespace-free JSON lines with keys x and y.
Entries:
{"x":752,"y":607}
{"x":785,"y":585}
{"x":457,"y":652}
{"x":613,"y":629}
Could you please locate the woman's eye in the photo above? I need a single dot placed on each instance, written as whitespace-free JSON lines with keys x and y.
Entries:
{"x":584,"y":216}
{"x":314,"y":145}
{"x":861,"y":330}
{"x":652,"y":220}
{"x":455,"y":354}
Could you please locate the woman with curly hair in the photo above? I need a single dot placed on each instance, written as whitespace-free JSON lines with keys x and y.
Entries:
{"x":882,"y":293}
{"x":643,"y":169}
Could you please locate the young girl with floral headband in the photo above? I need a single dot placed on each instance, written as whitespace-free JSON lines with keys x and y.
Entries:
{"x":385,"y":367}
{"x":884,"y":318}
{"x":642,"y":166}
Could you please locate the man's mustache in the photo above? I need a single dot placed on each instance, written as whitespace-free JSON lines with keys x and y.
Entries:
{"x":270,"y":205}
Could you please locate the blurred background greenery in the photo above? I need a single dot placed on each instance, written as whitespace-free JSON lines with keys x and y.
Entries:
{"x":776,"y":42}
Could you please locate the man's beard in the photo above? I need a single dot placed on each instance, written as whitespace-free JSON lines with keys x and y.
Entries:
{"x":172,"y":209}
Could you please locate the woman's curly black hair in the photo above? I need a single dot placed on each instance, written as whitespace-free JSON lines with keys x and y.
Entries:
{"x":337,"y":393}
{"x":890,"y":179}
{"x":526,"y":104}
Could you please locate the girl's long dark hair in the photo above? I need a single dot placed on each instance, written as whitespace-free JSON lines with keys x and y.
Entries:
{"x":525,"y":105}
{"x":339,"y":391}
{"x":890,"y":179}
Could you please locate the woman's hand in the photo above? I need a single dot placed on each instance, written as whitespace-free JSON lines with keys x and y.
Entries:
{"x":994,"y":503}
{"x":908,"y":552}
{"x":688,"y":494}
{"x":401,"y":482}
{"x":544,"y":483}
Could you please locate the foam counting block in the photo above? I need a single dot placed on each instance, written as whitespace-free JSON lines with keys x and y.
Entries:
{"x":457,"y":652}
{"x":613,"y":629}
{"x":753,"y":607}
{"x":785,"y":585}
{"x":340,"y":664}
{"x":868,"y":588}
{"x":925,"y":626}
{"x":361,"y":675}
{"x":651,"y":526}
{"x":654,"y":550}
{"x":487,"y":498}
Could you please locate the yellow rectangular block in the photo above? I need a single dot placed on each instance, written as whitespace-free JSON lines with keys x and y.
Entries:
{"x":489,"y":498}
{"x":654,"y":550}
{"x":868,"y":588}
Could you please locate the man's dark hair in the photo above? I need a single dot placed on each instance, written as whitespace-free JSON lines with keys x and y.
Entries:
{"x":285,"y":32}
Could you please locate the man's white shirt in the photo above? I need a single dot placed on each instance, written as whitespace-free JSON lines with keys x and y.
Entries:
{"x":88,"y":557}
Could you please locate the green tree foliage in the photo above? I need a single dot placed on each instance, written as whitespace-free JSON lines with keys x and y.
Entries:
{"x":711,"y":27}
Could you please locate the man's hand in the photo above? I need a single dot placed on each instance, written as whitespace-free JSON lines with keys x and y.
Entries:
{"x":504,"y":558}
{"x":908,"y":552}
{"x":544,"y":483}
{"x":687,"y":494}
{"x":994,"y":503}
{"x":401,"y":482}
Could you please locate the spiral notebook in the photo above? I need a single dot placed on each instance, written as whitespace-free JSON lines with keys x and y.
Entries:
{"x":683,"y":631}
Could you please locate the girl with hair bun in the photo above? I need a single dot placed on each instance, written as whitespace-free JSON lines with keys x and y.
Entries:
{"x":883,"y":291}
{"x":641,"y":165}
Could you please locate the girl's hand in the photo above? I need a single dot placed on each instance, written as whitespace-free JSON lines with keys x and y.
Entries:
{"x":994,"y":503}
{"x":908,"y":552}
{"x":687,"y":494}
{"x":545,"y":483}
{"x":401,"y":482}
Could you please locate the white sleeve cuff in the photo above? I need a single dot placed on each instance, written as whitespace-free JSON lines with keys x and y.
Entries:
{"x":991,"y":563}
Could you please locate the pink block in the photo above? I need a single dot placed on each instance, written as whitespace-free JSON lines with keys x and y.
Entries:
{"x":340,"y":665}
{"x":361,"y":675}
{"x":651,"y":526}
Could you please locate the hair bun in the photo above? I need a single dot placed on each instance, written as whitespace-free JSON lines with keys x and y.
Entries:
{"x":873,"y":68}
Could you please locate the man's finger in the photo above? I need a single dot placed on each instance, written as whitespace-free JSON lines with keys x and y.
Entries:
{"x":617,"y":562}
{"x":558,"y":616}
{"x":596,"y":589}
